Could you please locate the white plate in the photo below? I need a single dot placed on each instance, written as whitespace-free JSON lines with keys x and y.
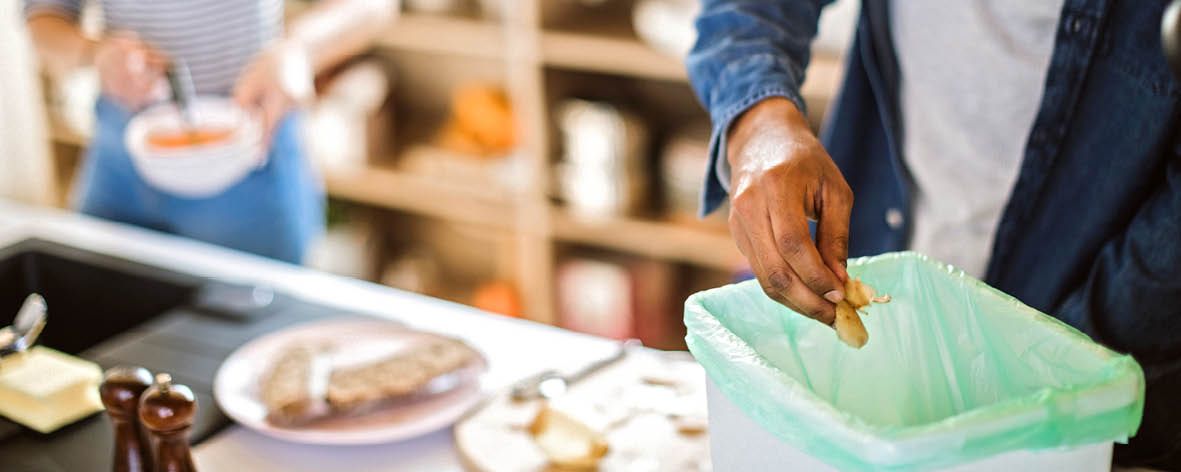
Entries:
{"x":237,"y":393}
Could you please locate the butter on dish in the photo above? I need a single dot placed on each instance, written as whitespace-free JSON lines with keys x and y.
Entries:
{"x":45,"y":389}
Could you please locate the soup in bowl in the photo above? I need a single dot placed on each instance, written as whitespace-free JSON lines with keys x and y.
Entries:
{"x":173,"y":139}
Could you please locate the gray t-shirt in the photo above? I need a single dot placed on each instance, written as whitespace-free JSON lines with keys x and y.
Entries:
{"x":214,"y":38}
{"x":972,"y":72}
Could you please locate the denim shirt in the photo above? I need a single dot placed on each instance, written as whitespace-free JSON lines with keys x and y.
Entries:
{"x":1092,"y":230}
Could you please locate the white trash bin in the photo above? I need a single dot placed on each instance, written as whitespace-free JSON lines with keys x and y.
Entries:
{"x":956,"y":376}
{"x":737,"y":443}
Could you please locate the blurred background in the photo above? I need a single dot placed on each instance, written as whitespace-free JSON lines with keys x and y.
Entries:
{"x":534,"y":158}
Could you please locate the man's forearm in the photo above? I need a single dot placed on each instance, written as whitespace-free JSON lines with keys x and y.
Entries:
{"x":334,"y":30}
{"x":747,"y":51}
{"x":60,"y":43}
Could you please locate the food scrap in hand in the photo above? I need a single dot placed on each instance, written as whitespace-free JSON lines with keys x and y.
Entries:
{"x":848,"y":324}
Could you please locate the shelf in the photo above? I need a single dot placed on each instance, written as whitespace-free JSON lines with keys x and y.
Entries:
{"x":447,"y":35}
{"x":663,"y":240}
{"x":626,"y":55}
{"x":62,"y":134}
{"x":390,"y":188}
{"x":612,"y":54}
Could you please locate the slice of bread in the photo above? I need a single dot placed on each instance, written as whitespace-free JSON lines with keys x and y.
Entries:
{"x":293,"y":389}
{"x":303,"y":386}
{"x":401,"y":375}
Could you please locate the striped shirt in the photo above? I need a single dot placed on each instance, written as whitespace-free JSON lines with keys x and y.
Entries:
{"x":216,"y":39}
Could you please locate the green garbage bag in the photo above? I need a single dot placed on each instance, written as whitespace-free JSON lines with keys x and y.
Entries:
{"x":954,"y":371}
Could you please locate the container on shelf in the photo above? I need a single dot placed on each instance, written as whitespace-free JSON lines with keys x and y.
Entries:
{"x":595,"y":297}
{"x":682,"y":164}
{"x":620,"y":297}
{"x":603,"y":170}
{"x":351,"y":123}
{"x":667,"y":25}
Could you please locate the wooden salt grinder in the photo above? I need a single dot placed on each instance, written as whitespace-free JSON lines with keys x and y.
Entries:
{"x":167,"y":411}
{"x":120,"y":391}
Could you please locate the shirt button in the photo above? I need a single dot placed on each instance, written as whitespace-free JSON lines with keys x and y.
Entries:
{"x":894,"y":218}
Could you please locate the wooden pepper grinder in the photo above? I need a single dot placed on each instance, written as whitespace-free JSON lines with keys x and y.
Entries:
{"x":120,"y":391}
{"x":167,"y":411}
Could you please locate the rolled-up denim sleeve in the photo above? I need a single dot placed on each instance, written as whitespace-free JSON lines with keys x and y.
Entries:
{"x":746,"y":51}
{"x":66,"y":8}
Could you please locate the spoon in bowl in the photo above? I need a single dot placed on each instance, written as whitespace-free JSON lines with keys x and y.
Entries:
{"x":180,"y":81}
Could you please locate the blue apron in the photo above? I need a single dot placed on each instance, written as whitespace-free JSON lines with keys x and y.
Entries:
{"x":276,"y":211}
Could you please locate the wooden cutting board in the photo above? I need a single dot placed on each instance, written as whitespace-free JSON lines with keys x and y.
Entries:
{"x":650,"y":406}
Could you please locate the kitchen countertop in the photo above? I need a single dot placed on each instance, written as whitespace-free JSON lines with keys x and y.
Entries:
{"x":512,"y":346}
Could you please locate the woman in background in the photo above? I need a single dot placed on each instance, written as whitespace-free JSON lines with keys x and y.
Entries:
{"x":236,"y":48}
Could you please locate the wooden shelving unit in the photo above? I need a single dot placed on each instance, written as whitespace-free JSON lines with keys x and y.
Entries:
{"x":397,"y":190}
{"x":699,"y":246}
{"x":62,"y":134}
{"x":531,"y":47}
{"x":608,"y":54}
{"x":445,"y":35}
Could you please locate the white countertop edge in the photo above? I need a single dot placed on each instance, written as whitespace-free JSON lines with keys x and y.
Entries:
{"x":18,"y":222}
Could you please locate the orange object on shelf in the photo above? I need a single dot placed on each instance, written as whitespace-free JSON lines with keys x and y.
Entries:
{"x":176,"y":139}
{"x":482,"y":122}
{"x":498,"y":297}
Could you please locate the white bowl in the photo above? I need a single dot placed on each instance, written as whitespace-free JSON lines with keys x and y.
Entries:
{"x":198,"y":171}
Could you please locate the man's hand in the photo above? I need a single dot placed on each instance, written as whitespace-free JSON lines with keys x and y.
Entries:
{"x":781,"y":177}
{"x":277,"y":80}
{"x":130,"y":71}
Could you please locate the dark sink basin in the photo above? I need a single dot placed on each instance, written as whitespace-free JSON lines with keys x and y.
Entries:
{"x":92,"y":297}
{"x":114,"y":311}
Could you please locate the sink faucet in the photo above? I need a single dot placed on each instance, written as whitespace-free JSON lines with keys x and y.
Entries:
{"x":25,"y":329}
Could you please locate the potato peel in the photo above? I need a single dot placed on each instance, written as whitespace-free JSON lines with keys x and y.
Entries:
{"x":567,"y":443}
{"x":858,"y":296}
{"x":848,"y":324}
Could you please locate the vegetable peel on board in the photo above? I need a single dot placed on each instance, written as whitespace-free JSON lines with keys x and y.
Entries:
{"x":848,"y":324}
{"x":568,"y":443}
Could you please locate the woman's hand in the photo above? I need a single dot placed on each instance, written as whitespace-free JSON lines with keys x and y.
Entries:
{"x":130,"y":71}
{"x":275,"y":82}
{"x":781,"y":177}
